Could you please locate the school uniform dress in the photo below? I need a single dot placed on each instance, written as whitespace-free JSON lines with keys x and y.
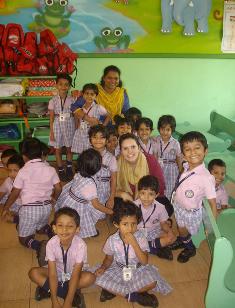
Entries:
{"x":76,"y":254}
{"x":6,"y":188}
{"x":103,"y":176}
{"x":142,"y":275}
{"x":221,"y":196}
{"x":81,"y":138}
{"x":167,"y":154}
{"x":193,"y":186}
{"x":152,"y":217}
{"x":150,"y":147}
{"x":36,"y":181}
{"x":63,"y":130}
{"x":78,"y":195}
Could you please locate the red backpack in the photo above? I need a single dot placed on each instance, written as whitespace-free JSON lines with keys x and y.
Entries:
{"x":27,"y":63}
{"x":64,"y":60}
{"x":48,"y":43}
{"x":3,"y":70}
{"x":12,"y":39}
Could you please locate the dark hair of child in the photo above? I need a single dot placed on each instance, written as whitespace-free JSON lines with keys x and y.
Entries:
{"x":89,"y":163}
{"x":128,"y":136}
{"x":111,"y":68}
{"x":166,"y":120}
{"x":68,"y":212}
{"x":45,"y":149}
{"x":98,"y":129}
{"x":112,"y":132}
{"x":149,"y":182}
{"x":64,"y":76}
{"x":148,"y":123}
{"x":31,"y":148}
{"x":121,"y":121}
{"x":193,"y":136}
{"x":16,"y":159}
{"x":90,"y":86}
{"x":133,"y":113}
{"x":125,"y":208}
{"x":8,"y":153}
{"x":216,"y":162}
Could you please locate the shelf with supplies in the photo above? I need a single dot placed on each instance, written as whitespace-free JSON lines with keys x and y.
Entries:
{"x":24,"y":108}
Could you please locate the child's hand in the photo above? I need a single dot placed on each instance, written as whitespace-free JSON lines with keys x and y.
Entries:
{"x":93,"y":121}
{"x":129,"y":239}
{"x":99,"y":271}
{"x":5,"y":214}
{"x":56,"y":304}
{"x":110,"y":203}
{"x":224,"y":206}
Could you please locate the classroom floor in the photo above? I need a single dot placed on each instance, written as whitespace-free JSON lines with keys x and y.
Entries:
{"x":189,"y":281}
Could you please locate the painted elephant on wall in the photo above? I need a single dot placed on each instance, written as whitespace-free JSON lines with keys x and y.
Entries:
{"x":167,"y":15}
{"x":185,"y":12}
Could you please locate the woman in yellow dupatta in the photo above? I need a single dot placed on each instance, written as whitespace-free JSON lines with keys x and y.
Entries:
{"x":132,"y":166}
{"x":111,"y":93}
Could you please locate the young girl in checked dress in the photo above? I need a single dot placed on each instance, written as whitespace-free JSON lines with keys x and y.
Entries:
{"x":168,"y":152}
{"x":89,"y":115}
{"x":106,"y":178}
{"x":81,"y":193}
{"x":125,"y":270}
{"x":62,"y":126}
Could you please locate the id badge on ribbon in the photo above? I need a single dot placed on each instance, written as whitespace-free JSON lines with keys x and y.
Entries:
{"x":160,"y":160}
{"x":144,"y":231}
{"x":62,"y":117}
{"x":83,"y":125}
{"x":65,"y":276}
{"x":126,"y":273}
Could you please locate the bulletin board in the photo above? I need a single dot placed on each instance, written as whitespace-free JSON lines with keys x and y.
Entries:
{"x":124,"y":28}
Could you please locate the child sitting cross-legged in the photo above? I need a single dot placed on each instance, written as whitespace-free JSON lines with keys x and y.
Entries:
{"x":154,"y":223}
{"x":66,"y":253}
{"x":125,"y":270}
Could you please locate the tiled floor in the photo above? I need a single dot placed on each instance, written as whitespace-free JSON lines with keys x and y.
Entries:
{"x":188,"y":280}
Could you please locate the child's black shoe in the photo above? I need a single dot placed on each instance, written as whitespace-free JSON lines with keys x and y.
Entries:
{"x":176,"y":245}
{"x":106,"y":295}
{"x":69,"y":173}
{"x":62,"y":175}
{"x":186,"y":254}
{"x":78,"y":300}
{"x":40,"y":294}
{"x":147,"y":300}
{"x":164,"y":253}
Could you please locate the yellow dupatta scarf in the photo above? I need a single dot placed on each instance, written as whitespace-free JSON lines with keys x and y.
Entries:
{"x":128,"y":175}
{"x":113,"y":102}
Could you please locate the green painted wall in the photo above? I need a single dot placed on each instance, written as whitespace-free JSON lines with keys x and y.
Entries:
{"x":187,"y":88}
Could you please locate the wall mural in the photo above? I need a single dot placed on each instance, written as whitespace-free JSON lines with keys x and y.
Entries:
{"x":190,"y":27}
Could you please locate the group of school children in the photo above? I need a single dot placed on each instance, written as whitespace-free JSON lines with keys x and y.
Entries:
{"x":33,"y":187}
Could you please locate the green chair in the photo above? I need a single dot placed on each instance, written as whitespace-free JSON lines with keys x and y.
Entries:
{"x":221,"y":239}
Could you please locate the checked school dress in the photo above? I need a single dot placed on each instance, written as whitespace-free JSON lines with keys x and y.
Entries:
{"x":78,"y":195}
{"x":63,"y":130}
{"x":81,"y":139}
{"x":142,"y":275}
{"x":167,"y":154}
{"x":103,"y":176}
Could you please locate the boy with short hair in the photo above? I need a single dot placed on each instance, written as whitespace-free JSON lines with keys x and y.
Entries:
{"x":217,"y":168}
{"x":154,"y":218}
{"x":35,"y":183}
{"x":66,"y":253}
{"x":193,"y":185}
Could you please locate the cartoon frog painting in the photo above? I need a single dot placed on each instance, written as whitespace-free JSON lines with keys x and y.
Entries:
{"x":112,"y":39}
{"x":53,"y":14}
